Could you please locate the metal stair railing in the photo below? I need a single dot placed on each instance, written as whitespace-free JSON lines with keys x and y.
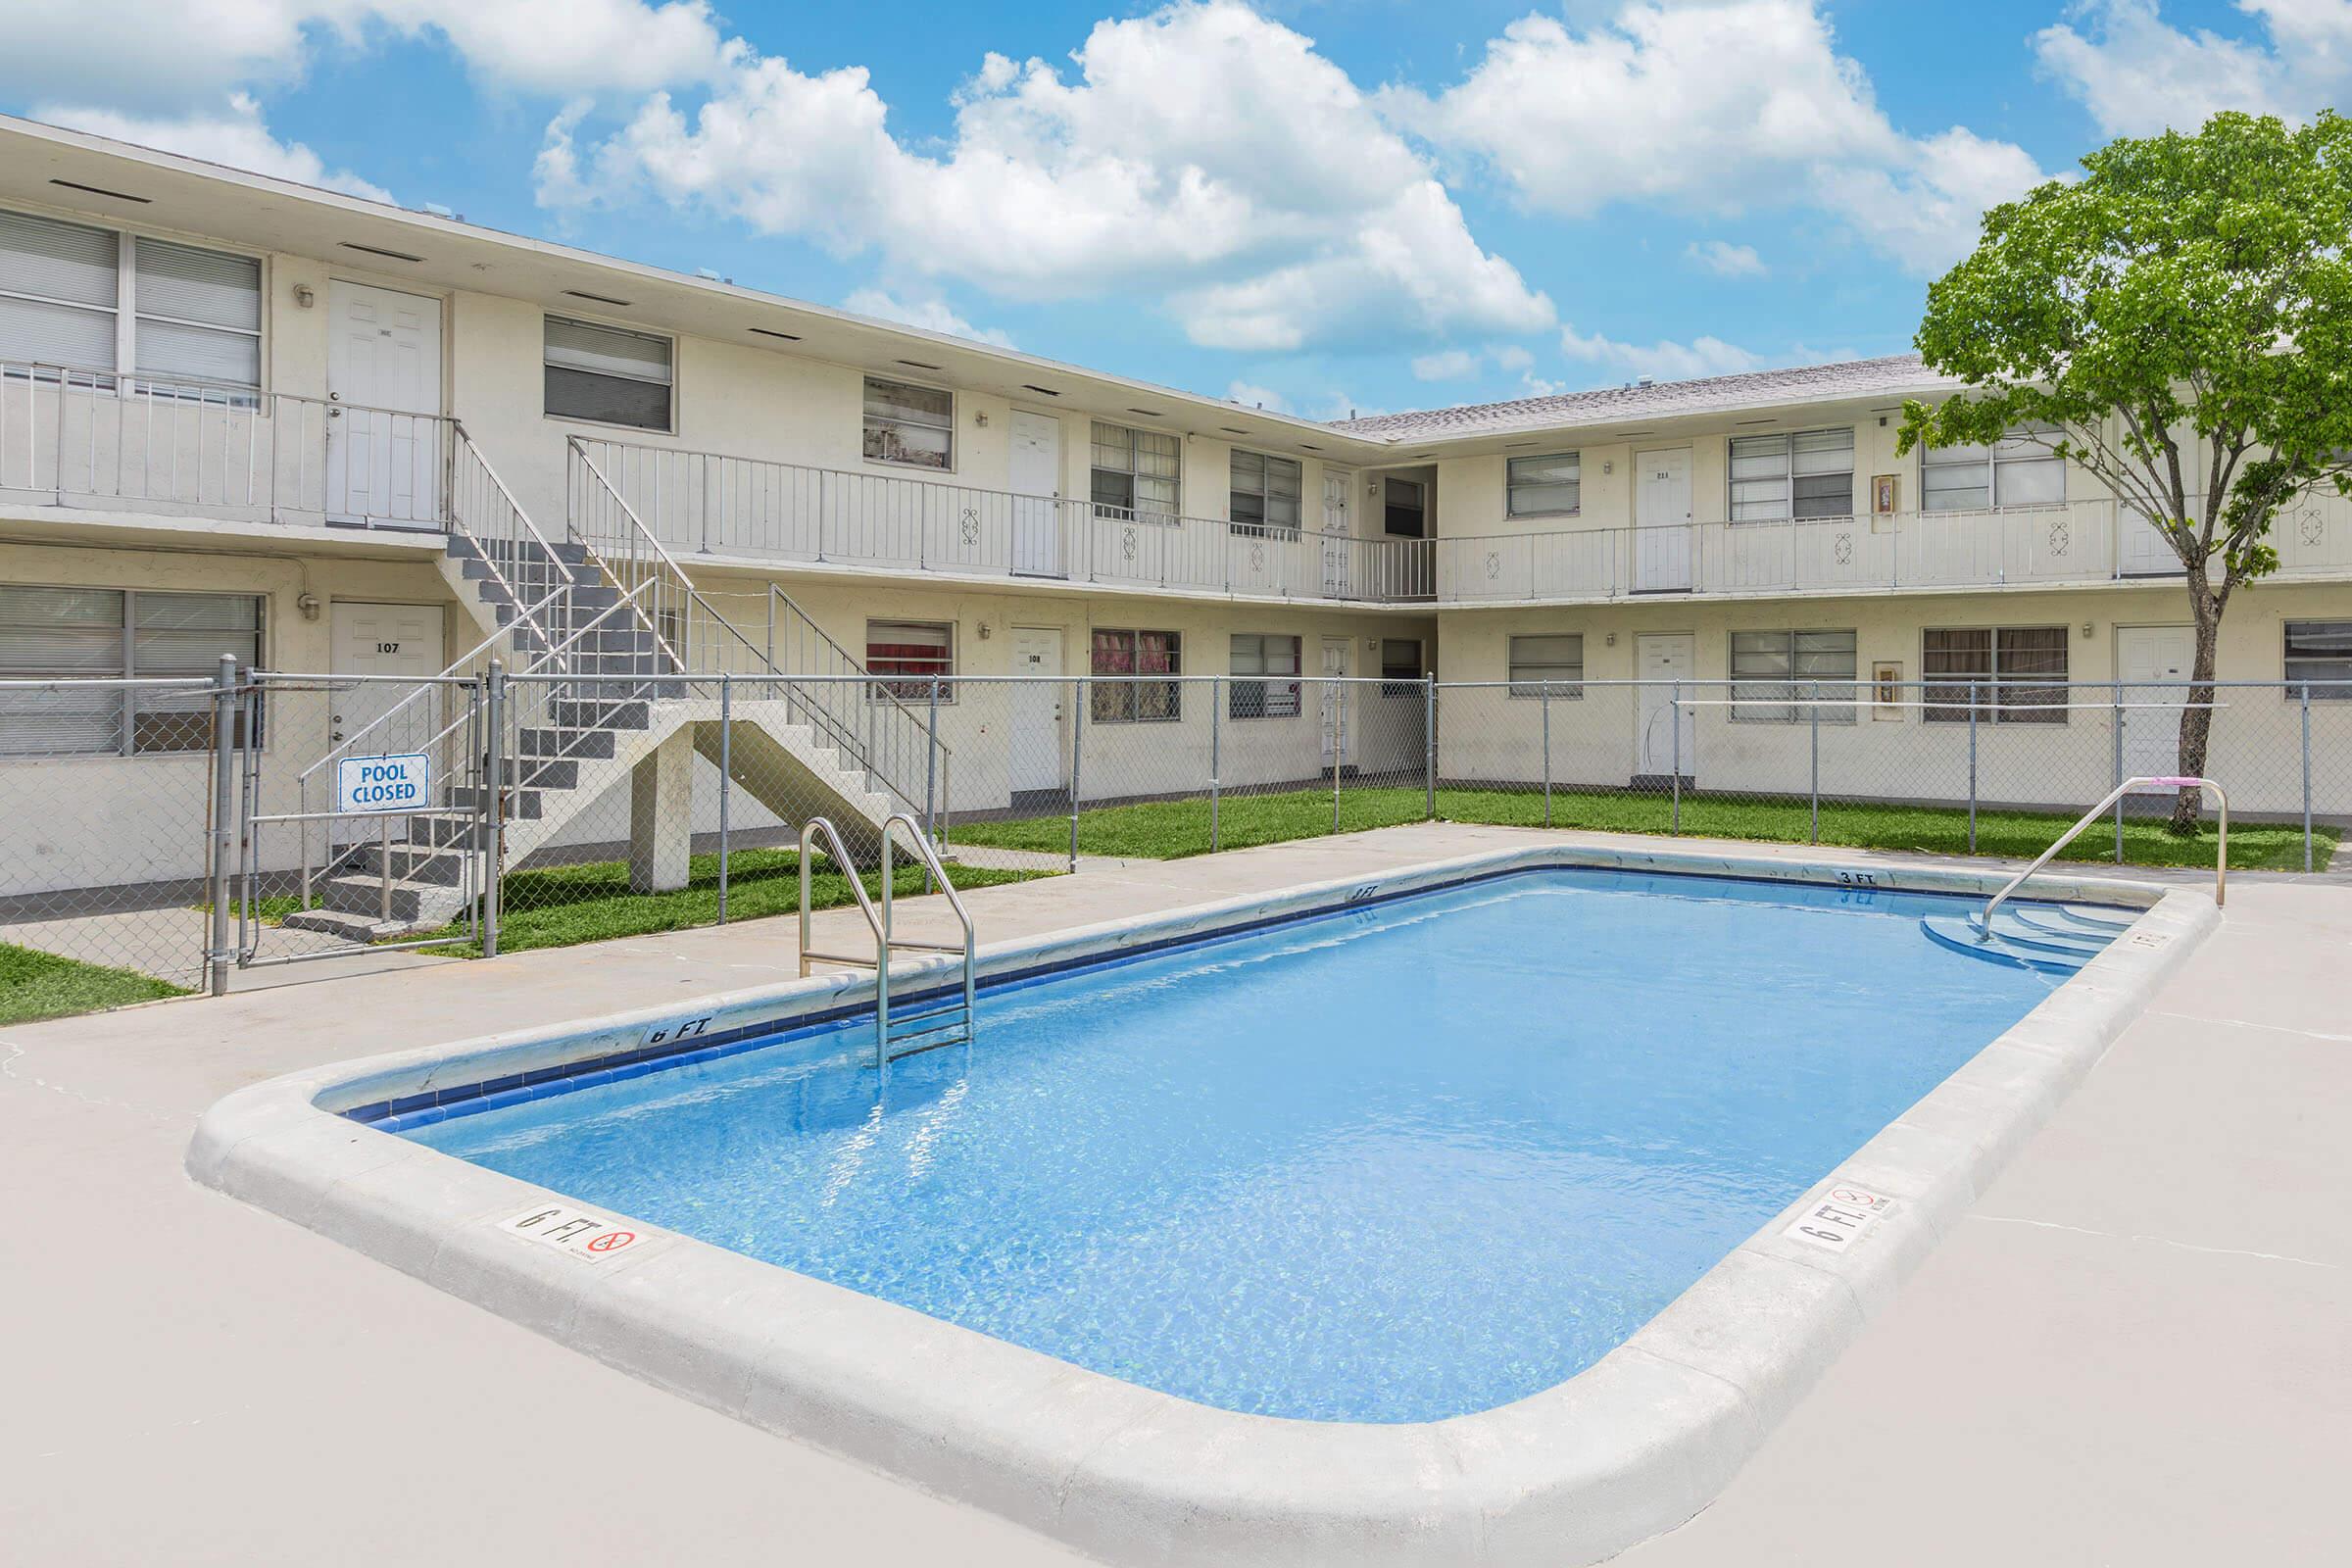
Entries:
{"x":700,"y":640}
{"x":960,"y":1016}
{"x":1983,"y":920}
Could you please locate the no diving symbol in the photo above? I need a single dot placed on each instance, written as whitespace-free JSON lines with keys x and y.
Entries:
{"x":610,"y":1240}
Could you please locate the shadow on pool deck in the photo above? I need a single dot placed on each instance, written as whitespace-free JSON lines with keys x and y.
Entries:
{"x":2130,"y":1350}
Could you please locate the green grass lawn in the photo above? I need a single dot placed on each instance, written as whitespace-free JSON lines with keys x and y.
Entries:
{"x":36,"y":985}
{"x":1170,"y":829}
{"x":564,"y":904}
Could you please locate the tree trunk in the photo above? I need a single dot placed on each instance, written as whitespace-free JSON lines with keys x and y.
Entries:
{"x":2196,"y":715}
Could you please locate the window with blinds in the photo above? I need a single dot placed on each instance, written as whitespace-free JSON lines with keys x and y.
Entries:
{"x":1807,"y":473}
{"x":2016,"y":674}
{"x":1545,"y":487}
{"x":1775,"y":677}
{"x":1136,"y":473}
{"x":194,"y":315}
{"x":607,"y":375}
{"x":1136,"y":702}
{"x":2319,"y":658}
{"x":910,"y":424}
{"x":2018,"y":471}
{"x":116,"y":633}
{"x":915,"y":652}
{"x":1547,"y":664}
{"x":1263,"y":493}
{"x":197,"y":319}
{"x":1251,"y":695}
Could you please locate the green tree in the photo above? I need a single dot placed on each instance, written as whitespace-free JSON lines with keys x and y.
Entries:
{"x":2179,"y":322}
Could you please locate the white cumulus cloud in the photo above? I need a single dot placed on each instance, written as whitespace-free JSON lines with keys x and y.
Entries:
{"x":1716,"y":107}
{"x":1666,"y":360}
{"x":929,"y":312}
{"x":1201,"y":152}
{"x":2138,"y":73}
{"x":1258,"y":397}
{"x":233,"y":134}
{"x":1726,"y":259}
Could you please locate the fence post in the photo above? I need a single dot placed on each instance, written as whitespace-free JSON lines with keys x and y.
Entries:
{"x":225,"y":729}
{"x":1335,"y":695}
{"x":1429,"y":743}
{"x":931,"y":764}
{"x":1674,"y":717}
{"x":2307,"y":775}
{"x":2117,"y":700}
{"x":1815,"y":709}
{"x":1972,"y":767}
{"x":1546,"y":692}
{"x":1077,"y":750}
{"x":1216,"y":736}
{"x":494,"y":801}
{"x":726,"y":783}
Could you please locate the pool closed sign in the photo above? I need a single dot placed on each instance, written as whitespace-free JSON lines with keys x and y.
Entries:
{"x":398,"y":783}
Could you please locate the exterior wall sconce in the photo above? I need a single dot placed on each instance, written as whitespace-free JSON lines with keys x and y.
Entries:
{"x":305,"y":296}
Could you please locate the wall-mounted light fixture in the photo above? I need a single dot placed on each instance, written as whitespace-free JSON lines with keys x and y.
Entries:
{"x":305,"y":296}
{"x":980,"y":418}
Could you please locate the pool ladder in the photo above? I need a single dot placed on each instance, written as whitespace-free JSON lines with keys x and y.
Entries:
{"x":936,"y":1021}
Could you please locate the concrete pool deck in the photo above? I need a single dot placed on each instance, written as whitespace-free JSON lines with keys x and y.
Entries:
{"x":2128,"y":1350}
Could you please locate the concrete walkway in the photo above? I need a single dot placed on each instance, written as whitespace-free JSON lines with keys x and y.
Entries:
{"x":2133,"y":1349}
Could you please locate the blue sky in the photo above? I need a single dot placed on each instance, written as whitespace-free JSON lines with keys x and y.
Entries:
{"x":1373,"y":205}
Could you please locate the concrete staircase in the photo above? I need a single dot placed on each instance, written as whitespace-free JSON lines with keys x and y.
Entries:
{"x":573,"y":740}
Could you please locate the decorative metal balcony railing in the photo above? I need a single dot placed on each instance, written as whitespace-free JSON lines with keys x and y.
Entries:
{"x":757,"y":510}
{"x":79,"y":438}
{"x":2077,"y":543}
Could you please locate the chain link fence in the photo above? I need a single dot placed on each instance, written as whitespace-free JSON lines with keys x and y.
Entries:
{"x":163,"y":833}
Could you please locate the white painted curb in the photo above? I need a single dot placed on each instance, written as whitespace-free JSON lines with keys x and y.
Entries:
{"x":1635,"y":1445}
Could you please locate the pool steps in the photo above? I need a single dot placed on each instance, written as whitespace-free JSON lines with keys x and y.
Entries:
{"x":2053,"y":941}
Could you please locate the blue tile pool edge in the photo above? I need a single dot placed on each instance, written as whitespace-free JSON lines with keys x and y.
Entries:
{"x":1575,"y":1474}
{"x":424,"y":1107}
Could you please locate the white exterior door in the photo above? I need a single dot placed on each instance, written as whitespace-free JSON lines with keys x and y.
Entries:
{"x":1036,"y":475}
{"x":2142,"y":551}
{"x":1661,"y":658}
{"x":1339,"y":526}
{"x":1036,"y":730}
{"x":2154,"y":663}
{"x":384,"y":442}
{"x":383,"y":640}
{"x":1338,"y":738}
{"x":1662,"y":520}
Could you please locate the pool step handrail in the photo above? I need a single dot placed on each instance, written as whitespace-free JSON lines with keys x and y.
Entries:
{"x":929,"y":859}
{"x":1983,"y":920}
{"x":960,"y":1015}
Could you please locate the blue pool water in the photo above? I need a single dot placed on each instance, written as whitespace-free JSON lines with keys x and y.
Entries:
{"x":1408,"y":1161}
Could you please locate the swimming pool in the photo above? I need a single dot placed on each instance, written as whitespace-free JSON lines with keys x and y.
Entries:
{"x":1487,"y":1210}
{"x":1398,"y":1162}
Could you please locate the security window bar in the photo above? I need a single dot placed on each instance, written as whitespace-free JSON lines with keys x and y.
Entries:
{"x":2017,"y":672}
{"x":1776,"y":675}
{"x":913,"y":426}
{"x":1264,"y":494}
{"x":1809,"y":474}
{"x":913,"y":653}
{"x":177,"y":318}
{"x":1553,"y":660}
{"x":1265,"y":683}
{"x":71,"y":634}
{"x":2319,"y":651}
{"x":1136,"y":702}
{"x":1137,"y":474}
{"x":606,"y":375}
{"x":1545,"y":487}
{"x":1400,"y":666}
{"x":2018,"y":471}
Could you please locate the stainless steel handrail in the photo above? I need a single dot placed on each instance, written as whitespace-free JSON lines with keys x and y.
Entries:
{"x":2221,"y":847}
{"x":885,"y":943}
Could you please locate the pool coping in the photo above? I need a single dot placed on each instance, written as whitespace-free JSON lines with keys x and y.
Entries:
{"x":1633,"y":1445}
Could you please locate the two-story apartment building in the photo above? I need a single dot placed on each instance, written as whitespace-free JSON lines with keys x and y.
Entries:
{"x":329,"y":435}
